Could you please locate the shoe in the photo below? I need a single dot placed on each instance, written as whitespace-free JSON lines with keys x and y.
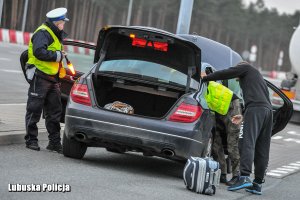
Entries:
{"x":54,"y":147}
{"x":233,"y":180}
{"x":33,"y":146}
{"x":243,"y":182}
{"x":255,"y":188}
{"x":223,"y":178}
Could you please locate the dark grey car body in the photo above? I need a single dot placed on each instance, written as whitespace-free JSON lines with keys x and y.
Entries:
{"x":94,"y":126}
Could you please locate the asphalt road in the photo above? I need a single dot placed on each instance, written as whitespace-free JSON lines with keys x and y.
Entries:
{"x":103,"y":175}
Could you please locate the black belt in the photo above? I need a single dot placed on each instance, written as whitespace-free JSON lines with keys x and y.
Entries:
{"x":52,"y":78}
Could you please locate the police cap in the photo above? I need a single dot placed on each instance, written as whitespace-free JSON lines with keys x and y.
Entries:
{"x":57,"y":14}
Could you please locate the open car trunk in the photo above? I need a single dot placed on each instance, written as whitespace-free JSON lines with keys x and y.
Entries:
{"x":146,"y":99}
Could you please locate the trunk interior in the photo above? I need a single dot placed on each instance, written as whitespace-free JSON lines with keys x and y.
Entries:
{"x":146,"y":99}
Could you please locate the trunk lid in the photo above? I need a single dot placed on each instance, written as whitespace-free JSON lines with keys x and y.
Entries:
{"x":149,"y":45}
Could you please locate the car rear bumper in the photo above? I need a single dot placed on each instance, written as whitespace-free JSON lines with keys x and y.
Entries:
{"x":102,"y":128}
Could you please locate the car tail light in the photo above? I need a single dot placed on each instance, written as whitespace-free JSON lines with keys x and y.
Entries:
{"x":139,"y":42}
{"x":186,"y":113}
{"x":80,"y":94}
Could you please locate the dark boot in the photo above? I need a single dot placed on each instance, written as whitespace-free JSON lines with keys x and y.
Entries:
{"x":223,"y":178}
{"x":33,"y":146}
{"x":54,"y":147}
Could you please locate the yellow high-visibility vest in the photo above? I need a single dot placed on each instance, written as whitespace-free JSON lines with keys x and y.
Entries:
{"x":50,"y":68}
{"x":218,"y":97}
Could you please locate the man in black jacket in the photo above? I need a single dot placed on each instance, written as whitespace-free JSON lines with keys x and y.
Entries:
{"x":45,"y":54}
{"x":258,"y":121}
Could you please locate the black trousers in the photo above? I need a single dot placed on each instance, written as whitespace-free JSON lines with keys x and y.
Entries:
{"x":255,"y":141}
{"x":43,"y":95}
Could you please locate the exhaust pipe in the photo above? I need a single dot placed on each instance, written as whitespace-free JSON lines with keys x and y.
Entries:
{"x":80,"y":136}
{"x":168,"y":152}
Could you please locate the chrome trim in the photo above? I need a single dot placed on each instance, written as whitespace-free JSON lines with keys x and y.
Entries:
{"x":158,"y":132}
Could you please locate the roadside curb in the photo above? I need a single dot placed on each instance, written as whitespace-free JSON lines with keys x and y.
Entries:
{"x":17,"y":137}
{"x":23,"y":38}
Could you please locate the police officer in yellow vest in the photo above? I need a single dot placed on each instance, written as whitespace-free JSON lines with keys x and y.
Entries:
{"x":45,"y":54}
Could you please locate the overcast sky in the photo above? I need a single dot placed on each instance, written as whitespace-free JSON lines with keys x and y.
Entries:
{"x":287,"y":6}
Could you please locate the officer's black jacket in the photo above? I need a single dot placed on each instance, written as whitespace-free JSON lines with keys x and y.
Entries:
{"x":42,"y":39}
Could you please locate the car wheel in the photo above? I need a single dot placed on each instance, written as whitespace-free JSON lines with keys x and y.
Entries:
{"x":73,"y":148}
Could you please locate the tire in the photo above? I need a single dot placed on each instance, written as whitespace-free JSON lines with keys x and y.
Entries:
{"x":208,"y":149}
{"x":73,"y":148}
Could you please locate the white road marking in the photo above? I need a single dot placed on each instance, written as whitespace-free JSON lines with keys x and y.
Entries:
{"x":293,"y":133}
{"x":11,"y":71}
{"x":273,"y":174}
{"x":277,"y":137}
{"x":295,"y":164}
{"x":290,"y":167}
{"x":279,"y":171}
{"x":5,"y":59}
{"x":286,"y":169}
{"x":292,"y":140}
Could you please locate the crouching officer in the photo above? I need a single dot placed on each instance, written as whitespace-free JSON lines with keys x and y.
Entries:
{"x":45,"y":54}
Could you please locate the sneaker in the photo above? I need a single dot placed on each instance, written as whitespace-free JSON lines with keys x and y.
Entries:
{"x":223,"y":178}
{"x":255,"y":188}
{"x":54,"y":147}
{"x":243,"y":182}
{"x":33,"y":146}
{"x":233,"y":180}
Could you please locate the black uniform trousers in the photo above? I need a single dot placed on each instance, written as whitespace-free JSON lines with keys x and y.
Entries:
{"x":255,"y":141}
{"x":43,"y":95}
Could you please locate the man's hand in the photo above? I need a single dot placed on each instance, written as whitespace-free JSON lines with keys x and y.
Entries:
{"x":203,"y":74}
{"x":237,"y":119}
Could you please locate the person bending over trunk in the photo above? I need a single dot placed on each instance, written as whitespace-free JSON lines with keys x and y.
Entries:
{"x":258,"y":120}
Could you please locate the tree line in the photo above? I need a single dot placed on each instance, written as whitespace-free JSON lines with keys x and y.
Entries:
{"x":228,"y":21}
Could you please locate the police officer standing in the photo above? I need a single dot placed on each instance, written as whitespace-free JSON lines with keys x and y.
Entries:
{"x":45,"y":54}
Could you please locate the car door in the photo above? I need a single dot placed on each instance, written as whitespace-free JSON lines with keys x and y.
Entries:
{"x":282,"y":108}
{"x":81,"y":55}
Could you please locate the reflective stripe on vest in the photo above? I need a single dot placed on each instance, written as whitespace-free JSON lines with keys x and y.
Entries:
{"x":47,"y":67}
{"x":218,"y":97}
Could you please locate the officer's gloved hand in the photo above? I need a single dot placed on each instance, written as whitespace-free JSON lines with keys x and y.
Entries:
{"x":64,"y":54}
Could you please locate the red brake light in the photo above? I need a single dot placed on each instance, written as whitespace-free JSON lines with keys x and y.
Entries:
{"x":139,"y":42}
{"x":79,"y":94}
{"x":186,"y":113}
{"x":161,"y":46}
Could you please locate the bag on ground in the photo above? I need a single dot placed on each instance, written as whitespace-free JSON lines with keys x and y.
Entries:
{"x":202,"y":175}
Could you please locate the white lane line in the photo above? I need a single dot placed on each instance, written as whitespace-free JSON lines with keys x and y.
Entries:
{"x":277,"y":137}
{"x":292,"y":140}
{"x":279,"y":171}
{"x":290,"y":167}
{"x":5,"y":59}
{"x":13,"y":104}
{"x":285,"y":169}
{"x":295,"y":164}
{"x":293,"y":133}
{"x":11,"y":71}
{"x":273,"y":174}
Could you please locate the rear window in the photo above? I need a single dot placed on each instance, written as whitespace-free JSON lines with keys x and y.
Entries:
{"x":147,"y":70}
